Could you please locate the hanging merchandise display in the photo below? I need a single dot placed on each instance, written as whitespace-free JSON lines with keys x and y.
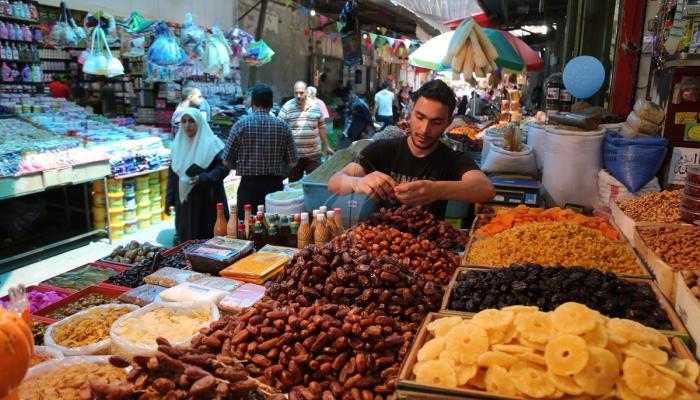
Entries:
{"x":259,"y":53}
{"x":192,"y":39}
{"x":217,"y":57}
{"x":136,"y":24}
{"x":104,"y":21}
{"x":239,"y":40}
{"x":99,"y":61}
{"x":165,"y":51}
{"x":66,"y":33}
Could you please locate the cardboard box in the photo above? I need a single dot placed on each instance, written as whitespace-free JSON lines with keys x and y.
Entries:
{"x":688,"y":309}
{"x":624,"y":223}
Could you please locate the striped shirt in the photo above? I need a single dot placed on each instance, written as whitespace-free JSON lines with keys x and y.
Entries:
{"x":304,"y":124}
{"x":260,"y":144}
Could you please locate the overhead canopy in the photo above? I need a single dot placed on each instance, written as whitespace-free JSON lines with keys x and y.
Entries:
{"x":512,"y":14}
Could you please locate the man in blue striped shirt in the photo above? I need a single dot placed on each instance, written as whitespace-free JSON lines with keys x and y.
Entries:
{"x":261,"y":149}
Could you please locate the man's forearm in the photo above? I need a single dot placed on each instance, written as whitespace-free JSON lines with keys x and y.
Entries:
{"x":324,"y":138}
{"x":342,"y":184}
{"x":464,"y":191}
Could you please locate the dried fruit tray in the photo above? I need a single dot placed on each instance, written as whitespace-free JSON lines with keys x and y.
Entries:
{"x":118,"y":269}
{"x":662,"y":272}
{"x":106,"y":290}
{"x":688,"y":308}
{"x":679,"y":329}
{"x":625,"y":224}
{"x":408,"y":389}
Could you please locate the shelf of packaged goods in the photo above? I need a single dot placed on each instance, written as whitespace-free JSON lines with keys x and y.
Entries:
{"x":21,"y":41}
{"x":17,"y":19}
{"x":135,"y":174}
{"x":20,"y":62}
{"x":21,"y":83}
{"x":38,"y":182}
{"x":56,"y":59}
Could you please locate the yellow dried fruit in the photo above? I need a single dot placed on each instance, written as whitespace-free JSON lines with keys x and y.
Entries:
{"x":631,"y":331}
{"x":535,"y":327}
{"x":431,"y":349}
{"x":491,"y":358}
{"x":468,"y":340}
{"x":645,"y":352}
{"x":573,"y":318}
{"x":566,"y":384}
{"x":497,"y":380}
{"x":688,"y":368}
{"x":600,"y":373}
{"x":682,"y":381}
{"x":478,"y":381}
{"x":464,"y":371}
{"x":566,"y":355}
{"x":517,"y":309}
{"x":533,"y":358}
{"x":437,"y":372}
{"x":530,"y":380}
{"x":512,"y":348}
{"x":598,"y":337}
{"x":644,"y":380}
{"x":493,"y":319}
{"x":441,"y":326}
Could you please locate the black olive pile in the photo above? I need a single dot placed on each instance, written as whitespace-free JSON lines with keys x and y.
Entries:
{"x":132,"y":277}
{"x":133,"y":253}
{"x":548,"y":287}
{"x":178,"y":259}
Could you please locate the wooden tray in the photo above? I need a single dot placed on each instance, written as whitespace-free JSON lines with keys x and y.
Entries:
{"x":407,"y":388}
{"x":112,"y":266}
{"x":688,"y":308}
{"x":679,"y":329}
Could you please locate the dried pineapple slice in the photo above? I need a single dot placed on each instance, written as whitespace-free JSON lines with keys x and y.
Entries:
{"x":492,"y":319}
{"x":573,"y":318}
{"x":496,"y":336}
{"x":441,"y":326}
{"x":478,"y":381}
{"x":631,"y":331}
{"x":530,"y":380}
{"x":431,"y":349}
{"x":491,"y":358}
{"x":437,"y":372}
{"x":624,"y":392}
{"x":566,"y":354}
{"x":512,"y":348}
{"x":534,"y":327}
{"x":533,"y":345}
{"x":518,"y":309}
{"x":681,"y":394}
{"x":688,"y":368}
{"x":598,"y":337}
{"x":600,"y":373}
{"x":533,"y":358}
{"x":645,"y":352}
{"x":464,"y":372}
{"x":682,"y":381}
{"x":644,"y":380}
{"x":497,"y":380}
{"x":566,"y":384}
{"x":467,"y":340}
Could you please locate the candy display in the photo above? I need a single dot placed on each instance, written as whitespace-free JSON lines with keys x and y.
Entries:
{"x":39,"y":299}
{"x":88,"y":327}
{"x":83,"y":277}
{"x":675,"y":245}
{"x":142,"y":295}
{"x":575,"y":246}
{"x":66,"y":381}
{"x":549,"y":287}
{"x":661,"y":207}
{"x":421,"y":223}
{"x":133,"y":253}
{"x":508,"y":218}
{"x":91,"y":300}
{"x":521,"y":351}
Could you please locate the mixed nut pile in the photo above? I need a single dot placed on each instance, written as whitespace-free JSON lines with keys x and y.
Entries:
{"x":676,"y":245}
{"x":661,"y":207}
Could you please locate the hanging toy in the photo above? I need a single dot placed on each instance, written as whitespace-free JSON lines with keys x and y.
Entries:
{"x":165,"y":51}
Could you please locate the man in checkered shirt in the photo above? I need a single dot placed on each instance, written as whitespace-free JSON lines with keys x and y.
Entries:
{"x":261,"y":149}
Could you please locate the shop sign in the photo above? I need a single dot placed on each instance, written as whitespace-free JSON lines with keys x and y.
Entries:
{"x":682,"y":118}
{"x":681,"y":158}
{"x":692,"y":133}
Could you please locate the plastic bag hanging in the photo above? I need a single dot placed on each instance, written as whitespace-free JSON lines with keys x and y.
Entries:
{"x":105,"y":21}
{"x":165,"y":51}
{"x":192,"y":39}
{"x":62,"y":34}
{"x":239,"y":41}
{"x":90,"y":63}
{"x":259,"y":53}
{"x":217,"y":57}
{"x":136,"y":24}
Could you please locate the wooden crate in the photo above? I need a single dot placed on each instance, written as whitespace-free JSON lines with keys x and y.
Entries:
{"x":625,"y":224}
{"x":408,"y":389}
{"x":679,"y":329}
{"x":688,"y":308}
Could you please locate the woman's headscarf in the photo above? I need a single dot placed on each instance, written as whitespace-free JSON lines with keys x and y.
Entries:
{"x":199,"y":150}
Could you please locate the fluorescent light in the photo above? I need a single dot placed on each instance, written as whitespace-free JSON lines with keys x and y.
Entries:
{"x":313,"y":13}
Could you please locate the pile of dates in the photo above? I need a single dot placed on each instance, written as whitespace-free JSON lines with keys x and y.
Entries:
{"x":422,"y":224}
{"x":348,"y":276}
{"x":323,"y":351}
{"x":549,"y":287}
{"x":133,"y":253}
{"x":421,"y":256}
{"x":180,"y":373}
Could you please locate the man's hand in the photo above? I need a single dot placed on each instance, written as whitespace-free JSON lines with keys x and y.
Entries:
{"x":377,"y":186}
{"x":328,"y":151}
{"x":194,"y":180}
{"x":415,"y":193}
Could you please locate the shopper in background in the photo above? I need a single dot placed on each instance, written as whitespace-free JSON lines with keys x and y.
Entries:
{"x":358,"y":121}
{"x":196,"y":177}
{"x":404,"y":104}
{"x":312,"y":92}
{"x":305,"y":119}
{"x":261,"y":149}
{"x":104,"y":101}
{"x":191,"y":98}
{"x":462,"y":106}
{"x":419,"y":169}
{"x":383,"y":103}
{"x":59,"y":89}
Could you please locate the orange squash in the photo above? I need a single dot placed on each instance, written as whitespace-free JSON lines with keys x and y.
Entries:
{"x":16,"y":348}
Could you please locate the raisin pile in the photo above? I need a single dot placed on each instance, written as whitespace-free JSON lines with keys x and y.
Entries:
{"x":178,"y":259}
{"x":548,"y":287}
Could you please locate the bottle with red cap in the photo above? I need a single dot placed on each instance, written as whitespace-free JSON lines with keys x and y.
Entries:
{"x":220,"y":225}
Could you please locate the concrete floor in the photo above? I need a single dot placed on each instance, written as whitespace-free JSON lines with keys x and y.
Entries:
{"x":88,"y":251}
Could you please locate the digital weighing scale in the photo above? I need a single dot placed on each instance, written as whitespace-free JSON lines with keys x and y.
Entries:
{"x":514,"y":190}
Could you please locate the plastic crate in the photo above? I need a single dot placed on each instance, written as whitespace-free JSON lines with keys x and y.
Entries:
{"x":100,"y":264}
{"x":107,"y":290}
{"x":42,"y":289}
{"x":41,"y":320}
{"x":354,"y":207}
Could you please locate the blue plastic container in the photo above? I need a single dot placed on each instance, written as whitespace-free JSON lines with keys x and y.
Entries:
{"x":354,"y":207}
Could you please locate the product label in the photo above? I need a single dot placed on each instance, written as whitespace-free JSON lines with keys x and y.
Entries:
{"x":682,"y":118}
{"x":553,"y":93}
{"x":565,"y":95}
{"x":692,"y":133}
{"x":681,"y":158}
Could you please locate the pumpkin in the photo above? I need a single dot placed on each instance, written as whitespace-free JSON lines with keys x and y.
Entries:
{"x":16,"y":348}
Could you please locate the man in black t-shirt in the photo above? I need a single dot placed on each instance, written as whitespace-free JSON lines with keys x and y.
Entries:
{"x":419,"y":169}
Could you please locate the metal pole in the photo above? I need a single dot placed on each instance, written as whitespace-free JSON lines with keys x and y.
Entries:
{"x":252,"y":76}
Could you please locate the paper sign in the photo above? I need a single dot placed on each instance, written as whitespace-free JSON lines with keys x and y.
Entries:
{"x":692,"y":133}
{"x":682,"y":118}
{"x":681,"y":158}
